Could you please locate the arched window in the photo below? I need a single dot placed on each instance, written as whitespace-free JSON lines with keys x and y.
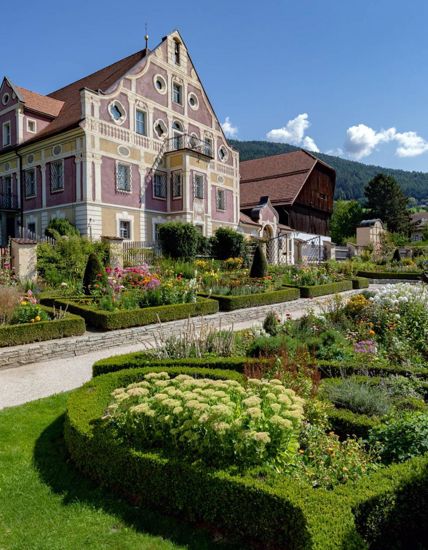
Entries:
{"x":177,"y":52}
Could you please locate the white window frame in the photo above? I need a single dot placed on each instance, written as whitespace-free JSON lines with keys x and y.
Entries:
{"x":196,"y":186}
{"x":7,"y":132}
{"x":34,"y":121}
{"x":138,"y":110}
{"x":220,"y":198}
{"x":164,"y":183}
{"x":58,"y":189}
{"x":177,"y":52}
{"x":208,"y":147}
{"x":160,"y":122}
{"x":118,"y":104}
{"x":193,"y":96}
{"x":129,"y":169}
{"x":179,"y":92}
{"x":28,"y":170}
{"x":164,"y":89}
{"x":129,"y":222}
{"x":179,"y":184}
{"x":226,"y":154}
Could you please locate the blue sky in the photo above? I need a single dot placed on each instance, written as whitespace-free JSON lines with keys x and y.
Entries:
{"x":347,"y":77}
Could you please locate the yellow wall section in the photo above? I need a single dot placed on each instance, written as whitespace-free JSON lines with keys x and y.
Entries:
{"x":109,"y":147}
{"x":199,"y":164}
{"x":109,"y":222}
{"x":175,"y":161}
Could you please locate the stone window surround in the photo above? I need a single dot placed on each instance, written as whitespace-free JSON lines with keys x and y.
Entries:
{"x":180,"y":173}
{"x":59,"y":189}
{"x":125,"y":217}
{"x":6,"y":133}
{"x":157,"y":197}
{"x":117,"y":103}
{"x":220,"y":193}
{"x":29,"y":121}
{"x":164,"y":88}
{"x":35,"y":183}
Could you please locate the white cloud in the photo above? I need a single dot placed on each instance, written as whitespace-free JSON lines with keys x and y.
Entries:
{"x":361,"y":141}
{"x":228,"y":128}
{"x":294,"y":133}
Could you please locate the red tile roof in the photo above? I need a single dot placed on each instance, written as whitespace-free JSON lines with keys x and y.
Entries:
{"x":70,"y":114}
{"x":243,"y":218}
{"x":40,"y":103}
{"x":280,"y":177}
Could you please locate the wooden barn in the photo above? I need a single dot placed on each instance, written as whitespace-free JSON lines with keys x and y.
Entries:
{"x":299,"y":186}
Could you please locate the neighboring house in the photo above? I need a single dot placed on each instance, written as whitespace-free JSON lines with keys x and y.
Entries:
{"x":419,"y":226}
{"x":369,"y":232}
{"x":118,"y":152}
{"x":297,"y":190}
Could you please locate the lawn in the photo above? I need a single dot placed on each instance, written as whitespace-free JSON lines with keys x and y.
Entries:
{"x":46,"y":504}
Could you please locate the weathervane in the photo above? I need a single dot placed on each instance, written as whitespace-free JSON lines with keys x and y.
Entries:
{"x":146,"y":38}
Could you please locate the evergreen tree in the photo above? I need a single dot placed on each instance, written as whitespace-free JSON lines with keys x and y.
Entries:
{"x":386,"y":201}
{"x":259,"y":266}
{"x":94,"y":273}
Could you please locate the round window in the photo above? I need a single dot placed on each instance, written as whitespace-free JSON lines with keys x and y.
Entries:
{"x":5,"y":99}
{"x":117,"y":112}
{"x":193,"y":101}
{"x":160,"y":129}
{"x":160,"y":84}
{"x":222,"y":154}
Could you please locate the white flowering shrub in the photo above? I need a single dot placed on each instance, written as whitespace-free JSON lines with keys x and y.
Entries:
{"x":400,"y":315}
{"x":218,"y":421}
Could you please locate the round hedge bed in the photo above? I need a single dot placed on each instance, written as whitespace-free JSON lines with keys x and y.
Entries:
{"x":288,"y":514}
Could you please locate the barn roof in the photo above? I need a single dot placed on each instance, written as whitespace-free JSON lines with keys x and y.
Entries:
{"x":280,"y":177}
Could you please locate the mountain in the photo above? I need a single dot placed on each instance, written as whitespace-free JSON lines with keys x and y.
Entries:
{"x":351,"y":176}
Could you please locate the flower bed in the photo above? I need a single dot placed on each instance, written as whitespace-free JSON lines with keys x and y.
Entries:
{"x":230,"y":303}
{"x":118,"y":319}
{"x":26,"y":333}
{"x":388,"y":505}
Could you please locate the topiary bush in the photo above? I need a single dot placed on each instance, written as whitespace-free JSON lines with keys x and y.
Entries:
{"x":61,"y":227}
{"x":179,"y":240}
{"x":227,"y":243}
{"x":94,"y":271}
{"x":259,"y":266}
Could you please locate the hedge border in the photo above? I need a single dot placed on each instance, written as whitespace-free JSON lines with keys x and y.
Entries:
{"x":141,"y":359}
{"x":114,"y":320}
{"x":290,"y":514}
{"x":314,"y":291}
{"x":27,"y":333}
{"x":230,"y":303}
{"x":411,"y":276}
{"x":360,"y":282}
{"x":334,"y":369}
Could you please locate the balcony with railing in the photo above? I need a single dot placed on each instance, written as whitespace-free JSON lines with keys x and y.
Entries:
{"x":188,"y":143}
{"x":9,"y":201}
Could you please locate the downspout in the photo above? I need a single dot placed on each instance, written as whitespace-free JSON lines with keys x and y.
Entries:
{"x":21,"y":191}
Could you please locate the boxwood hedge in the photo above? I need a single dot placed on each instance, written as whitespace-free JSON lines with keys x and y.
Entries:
{"x":26,"y":333}
{"x":409,"y":276}
{"x":142,"y":359}
{"x":322,"y":290}
{"x":230,"y":303}
{"x":113,"y":320}
{"x":329,"y":369}
{"x":360,"y":282}
{"x":289,"y":514}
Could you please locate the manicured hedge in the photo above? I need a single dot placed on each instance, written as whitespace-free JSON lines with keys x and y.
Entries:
{"x":288,"y":515}
{"x":322,"y":290}
{"x":409,"y":276}
{"x":230,"y":303}
{"x":360,"y":282}
{"x":141,"y":359}
{"x":26,"y":333}
{"x":113,"y":320}
{"x":332,"y":369}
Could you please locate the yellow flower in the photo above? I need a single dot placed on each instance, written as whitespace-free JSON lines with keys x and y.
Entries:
{"x":37,"y":318}
{"x":23,"y":303}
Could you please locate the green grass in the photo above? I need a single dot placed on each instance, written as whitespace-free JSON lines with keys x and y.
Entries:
{"x":46,"y":504}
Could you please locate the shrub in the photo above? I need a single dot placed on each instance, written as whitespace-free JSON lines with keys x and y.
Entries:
{"x":218,"y":421}
{"x":9,"y":299}
{"x":272,"y":323}
{"x":322,"y":290}
{"x":179,"y":240}
{"x":93,"y":273}
{"x":227,"y":243}
{"x":60,"y":227}
{"x":359,"y":397}
{"x":259,"y":265}
{"x":401,"y":438}
{"x":230,"y":303}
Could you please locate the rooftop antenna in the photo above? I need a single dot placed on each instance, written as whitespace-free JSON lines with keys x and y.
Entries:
{"x":146,"y":38}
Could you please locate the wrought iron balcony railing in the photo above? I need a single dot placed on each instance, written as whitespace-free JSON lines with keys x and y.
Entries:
{"x":186,"y":141}
{"x":8,"y":201}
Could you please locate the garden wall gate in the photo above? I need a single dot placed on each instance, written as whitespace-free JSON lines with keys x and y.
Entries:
{"x":140,"y":252}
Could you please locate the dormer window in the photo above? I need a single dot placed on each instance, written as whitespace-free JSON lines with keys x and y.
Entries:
{"x":177,"y":52}
{"x":6,"y":134}
{"x":31,"y":126}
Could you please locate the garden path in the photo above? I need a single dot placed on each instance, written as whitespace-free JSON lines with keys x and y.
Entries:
{"x":72,"y":365}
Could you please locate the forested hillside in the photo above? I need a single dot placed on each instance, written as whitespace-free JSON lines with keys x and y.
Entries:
{"x":351,"y":176}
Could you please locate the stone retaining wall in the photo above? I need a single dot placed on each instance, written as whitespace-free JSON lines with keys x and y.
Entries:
{"x":93,"y":341}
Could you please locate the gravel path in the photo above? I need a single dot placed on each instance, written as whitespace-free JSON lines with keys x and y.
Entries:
{"x":33,"y":381}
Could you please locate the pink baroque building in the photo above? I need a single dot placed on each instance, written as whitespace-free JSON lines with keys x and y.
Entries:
{"x":118,"y":152}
